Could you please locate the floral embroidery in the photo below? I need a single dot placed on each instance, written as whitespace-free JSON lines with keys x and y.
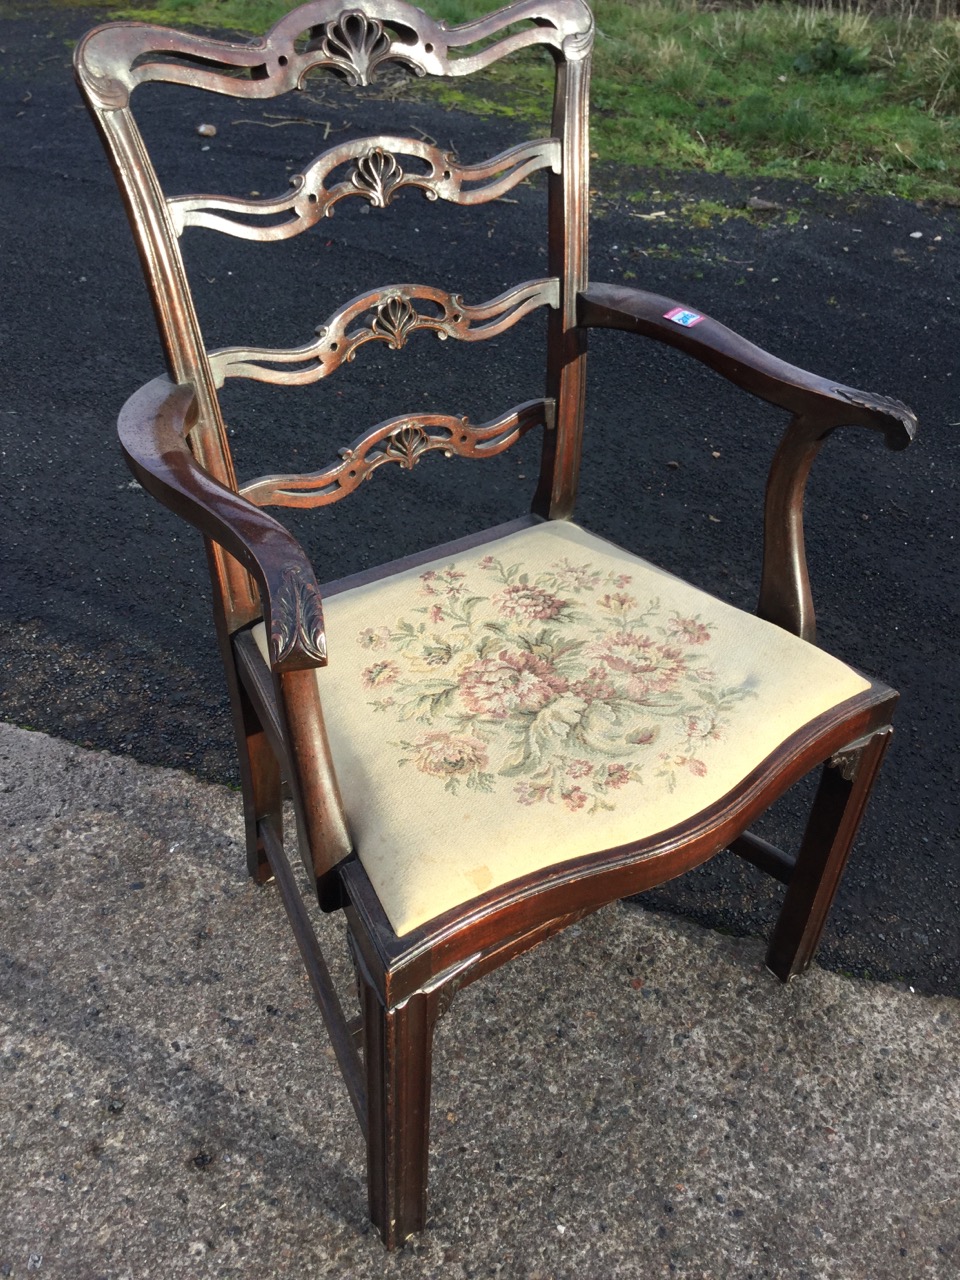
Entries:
{"x":374,"y":638}
{"x":381,"y":673}
{"x":562,"y":686}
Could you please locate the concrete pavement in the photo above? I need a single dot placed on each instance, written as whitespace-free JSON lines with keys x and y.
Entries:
{"x":638,"y":1098}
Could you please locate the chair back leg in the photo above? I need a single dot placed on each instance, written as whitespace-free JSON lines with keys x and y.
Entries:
{"x":845,"y":785}
{"x":398,"y":1053}
{"x":261,"y":782}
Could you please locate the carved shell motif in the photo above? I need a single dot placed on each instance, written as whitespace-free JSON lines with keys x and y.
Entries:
{"x":395,"y":318}
{"x":355,"y":44}
{"x":377,"y":175}
{"x":406,"y":444}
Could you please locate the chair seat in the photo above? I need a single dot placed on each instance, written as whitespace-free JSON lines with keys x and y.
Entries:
{"x":543,"y":697}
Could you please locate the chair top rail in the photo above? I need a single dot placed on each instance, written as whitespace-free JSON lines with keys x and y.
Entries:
{"x":355,"y":41}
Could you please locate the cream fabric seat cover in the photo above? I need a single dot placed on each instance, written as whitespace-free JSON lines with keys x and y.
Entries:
{"x":540,"y":698}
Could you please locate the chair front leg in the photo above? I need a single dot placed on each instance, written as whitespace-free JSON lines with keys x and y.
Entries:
{"x":398,"y":1052}
{"x":845,"y":785}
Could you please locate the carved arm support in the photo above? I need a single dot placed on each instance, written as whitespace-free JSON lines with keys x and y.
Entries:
{"x":818,"y":406}
{"x":152,"y":428}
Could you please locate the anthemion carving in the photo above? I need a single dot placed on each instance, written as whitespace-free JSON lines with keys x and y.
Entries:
{"x":394,"y":319}
{"x":111,"y":62}
{"x":356,"y":45}
{"x":376,"y":175}
{"x":407,"y":443}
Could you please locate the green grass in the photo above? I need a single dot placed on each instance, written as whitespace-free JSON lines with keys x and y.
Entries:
{"x":828,"y":93}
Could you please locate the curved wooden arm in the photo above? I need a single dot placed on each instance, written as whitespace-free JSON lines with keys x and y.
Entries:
{"x":829,"y":404}
{"x":818,"y":406}
{"x":152,"y":427}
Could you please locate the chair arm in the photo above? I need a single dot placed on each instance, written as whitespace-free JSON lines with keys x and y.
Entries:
{"x":152,"y":429}
{"x":820,"y":401}
{"x":818,"y":406}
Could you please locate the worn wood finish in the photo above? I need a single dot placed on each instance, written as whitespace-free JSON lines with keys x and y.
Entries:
{"x":841,"y":798}
{"x":338,"y":1029}
{"x":173,"y":436}
{"x":398,"y":1053}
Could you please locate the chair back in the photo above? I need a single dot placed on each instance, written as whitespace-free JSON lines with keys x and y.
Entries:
{"x":358,"y":44}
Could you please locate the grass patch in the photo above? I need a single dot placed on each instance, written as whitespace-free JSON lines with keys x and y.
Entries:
{"x":822,"y":92}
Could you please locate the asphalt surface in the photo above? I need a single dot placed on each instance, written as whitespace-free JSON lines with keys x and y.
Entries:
{"x":104,"y":631}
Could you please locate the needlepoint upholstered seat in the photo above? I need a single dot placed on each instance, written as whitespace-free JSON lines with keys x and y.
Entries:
{"x":491,"y":738}
{"x":550,"y":694}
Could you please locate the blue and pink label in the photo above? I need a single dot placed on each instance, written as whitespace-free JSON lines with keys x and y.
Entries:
{"x":680,"y":315}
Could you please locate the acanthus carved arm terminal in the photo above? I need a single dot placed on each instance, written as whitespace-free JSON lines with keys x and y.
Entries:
{"x":153,"y":425}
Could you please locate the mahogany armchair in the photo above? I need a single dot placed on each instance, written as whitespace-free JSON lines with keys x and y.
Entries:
{"x":490,"y":739}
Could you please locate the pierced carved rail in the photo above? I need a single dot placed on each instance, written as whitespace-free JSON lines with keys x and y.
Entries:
{"x":391,"y":317}
{"x":322,"y":35}
{"x":402,"y":440}
{"x":376,"y":176}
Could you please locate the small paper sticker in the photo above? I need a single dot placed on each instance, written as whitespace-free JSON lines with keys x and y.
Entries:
{"x":680,"y":315}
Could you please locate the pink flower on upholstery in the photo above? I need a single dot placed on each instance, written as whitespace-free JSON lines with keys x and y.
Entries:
{"x":622,"y":650}
{"x":486,"y":563}
{"x":695,"y":766}
{"x":497,"y":687}
{"x":689,"y":629}
{"x":661,"y":670}
{"x":579,"y":769}
{"x":596,"y":687}
{"x":532,"y":603}
{"x":381,"y":673}
{"x":703,"y":729}
{"x":648,"y":666}
{"x":622,"y":580}
{"x":576,"y":577}
{"x":618,"y":775}
{"x":619,"y":601}
{"x":644,"y":737}
{"x":575,"y":798}
{"x":373,"y":637}
{"x":442,"y":582}
{"x":436,"y":614}
{"x":447,"y":755}
{"x":530,"y":793}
